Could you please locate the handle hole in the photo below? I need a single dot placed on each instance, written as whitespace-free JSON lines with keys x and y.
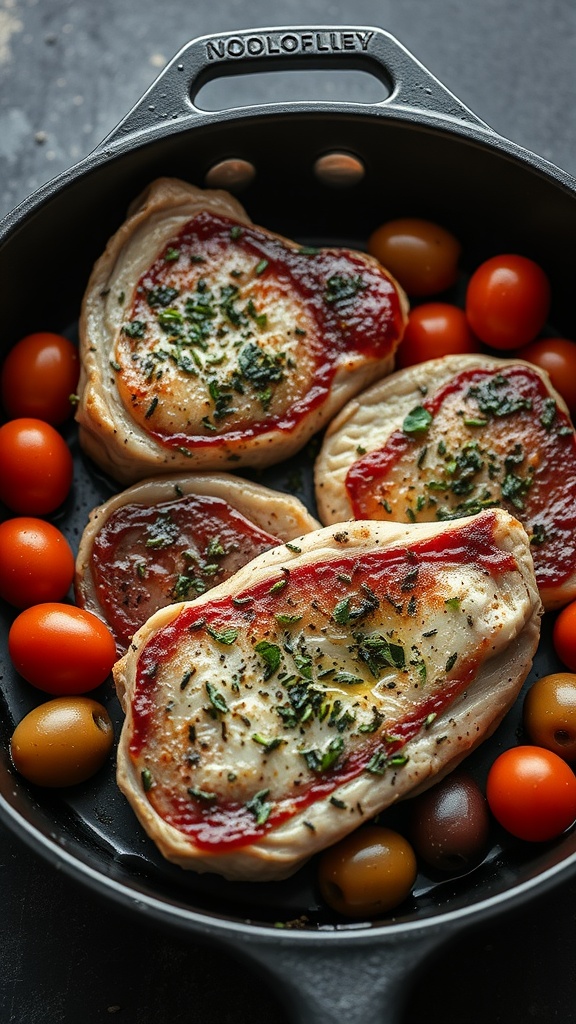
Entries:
{"x":330,"y":86}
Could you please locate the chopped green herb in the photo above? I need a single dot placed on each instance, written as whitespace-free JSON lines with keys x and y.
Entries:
{"x":259,"y":367}
{"x":266,"y":742}
{"x":320,"y":761}
{"x":147,"y":781}
{"x":214,"y":548}
{"x":451,"y":662}
{"x":341,"y":613}
{"x":538,"y":535}
{"x":378,"y":653}
{"x":151,"y":407}
{"x":417,"y":421}
{"x":259,"y":806}
{"x":216,"y":699}
{"x":271,"y":656}
{"x":381,"y":762}
{"x":372,"y":726}
{"x":347,"y":678}
{"x":224,"y":636}
{"x":496,"y":399}
{"x":474,"y":422}
{"x":162,"y":295}
{"x":134,"y":329}
{"x":279,"y":585}
{"x":202,"y":794}
{"x":340,"y":287}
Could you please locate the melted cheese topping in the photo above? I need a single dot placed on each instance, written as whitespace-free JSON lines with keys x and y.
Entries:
{"x":485,"y":438}
{"x":252,"y":706}
{"x":216,"y":343}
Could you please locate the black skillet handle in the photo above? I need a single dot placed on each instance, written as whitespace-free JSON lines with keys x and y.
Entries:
{"x":170,"y":99}
{"x":340,"y":978}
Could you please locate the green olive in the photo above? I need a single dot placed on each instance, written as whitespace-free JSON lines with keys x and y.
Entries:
{"x":371,"y":871}
{"x":62,"y":742}
{"x":550,"y":714}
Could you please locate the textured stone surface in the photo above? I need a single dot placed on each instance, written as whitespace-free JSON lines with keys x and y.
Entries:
{"x":69,"y":70}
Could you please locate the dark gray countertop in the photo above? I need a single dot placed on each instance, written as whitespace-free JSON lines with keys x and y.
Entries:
{"x":68,"y":73}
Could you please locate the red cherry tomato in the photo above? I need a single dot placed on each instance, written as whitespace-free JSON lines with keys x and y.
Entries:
{"x":61,"y":649}
{"x":564,"y":636}
{"x":532,"y":793}
{"x":35,"y":467}
{"x":507,"y":301}
{"x":38,"y":376}
{"x":435,"y":329}
{"x":36,"y":562}
{"x":421,"y":255}
{"x":558,"y":357}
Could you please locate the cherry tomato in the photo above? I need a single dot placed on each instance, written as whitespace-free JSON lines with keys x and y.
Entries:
{"x":35,"y":467}
{"x":435,"y":329}
{"x":558,"y":357}
{"x":421,"y":255}
{"x":61,"y":649}
{"x":369,"y":872}
{"x":450,"y":824}
{"x":550,"y":714}
{"x":564,"y":636}
{"x":38,"y":376}
{"x":507,"y":301}
{"x":62,"y":742}
{"x":532,"y":793}
{"x":36,"y":562}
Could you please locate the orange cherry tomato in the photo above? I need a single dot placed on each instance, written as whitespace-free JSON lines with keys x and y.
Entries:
{"x":532,"y":793}
{"x":564,"y":636}
{"x":558,"y":357}
{"x":435,"y":329}
{"x":421,"y":255}
{"x":61,"y":649}
{"x":36,"y":562}
{"x":549,"y":713}
{"x":62,"y":742}
{"x":367,"y":873}
{"x":38,"y":377}
{"x":35,"y":467}
{"x":507,"y":301}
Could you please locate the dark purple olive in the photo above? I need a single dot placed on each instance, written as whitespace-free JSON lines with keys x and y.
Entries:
{"x":450,"y":824}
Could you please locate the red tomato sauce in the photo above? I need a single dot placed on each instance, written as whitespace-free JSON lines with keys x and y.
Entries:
{"x":547,"y":509}
{"x":229,"y":824}
{"x":146,"y":557}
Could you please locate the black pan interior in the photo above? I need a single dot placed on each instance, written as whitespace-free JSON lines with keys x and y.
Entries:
{"x":494,"y":199}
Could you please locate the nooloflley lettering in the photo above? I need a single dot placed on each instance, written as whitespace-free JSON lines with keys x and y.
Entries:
{"x":256,"y":45}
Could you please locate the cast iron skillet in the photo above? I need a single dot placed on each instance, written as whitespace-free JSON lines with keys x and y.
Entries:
{"x":424,"y":154}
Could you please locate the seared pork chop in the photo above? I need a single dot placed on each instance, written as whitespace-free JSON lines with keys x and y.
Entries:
{"x":174,"y":537}
{"x":325,"y":680}
{"x":450,"y":437}
{"x":206,"y":340}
